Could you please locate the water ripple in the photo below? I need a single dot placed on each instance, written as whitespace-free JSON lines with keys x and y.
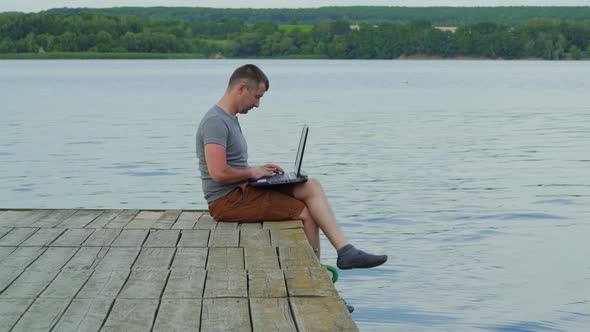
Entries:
{"x":511,"y":216}
{"x":522,"y":326}
{"x":407,"y":315}
{"x":150,"y":173}
{"x":557,"y":201}
{"x":85,"y":142}
{"x":130,"y":166}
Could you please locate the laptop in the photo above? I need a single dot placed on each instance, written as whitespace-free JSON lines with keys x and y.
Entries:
{"x":292,"y":177}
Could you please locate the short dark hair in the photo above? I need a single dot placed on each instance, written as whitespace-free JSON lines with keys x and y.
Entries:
{"x":249,"y":74}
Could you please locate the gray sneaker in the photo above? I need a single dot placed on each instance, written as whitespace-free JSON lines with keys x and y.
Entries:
{"x":360,"y":260}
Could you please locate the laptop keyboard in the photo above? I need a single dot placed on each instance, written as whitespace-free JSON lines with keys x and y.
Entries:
{"x":281,"y":178}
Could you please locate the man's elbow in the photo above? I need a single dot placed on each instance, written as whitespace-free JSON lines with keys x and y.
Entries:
{"x":217,"y":177}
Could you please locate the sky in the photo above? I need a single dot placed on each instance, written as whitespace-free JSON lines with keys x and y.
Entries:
{"x":39,"y":5}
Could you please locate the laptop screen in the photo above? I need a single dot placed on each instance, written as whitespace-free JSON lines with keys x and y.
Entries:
{"x":300,"y":150}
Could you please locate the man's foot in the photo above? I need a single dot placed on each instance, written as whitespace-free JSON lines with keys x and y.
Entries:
{"x":348,"y":306}
{"x":350,"y":257}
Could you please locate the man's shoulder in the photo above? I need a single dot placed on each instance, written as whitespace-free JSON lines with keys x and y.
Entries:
{"x":214,"y":115}
{"x":215,"y":120}
{"x":214,"y":123}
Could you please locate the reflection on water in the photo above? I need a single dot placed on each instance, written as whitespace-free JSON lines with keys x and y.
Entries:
{"x":473,"y":176}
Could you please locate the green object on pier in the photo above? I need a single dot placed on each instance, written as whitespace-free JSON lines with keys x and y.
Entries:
{"x":333,"y":270}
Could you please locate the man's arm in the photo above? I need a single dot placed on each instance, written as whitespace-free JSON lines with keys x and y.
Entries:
{"x":223,"y":173}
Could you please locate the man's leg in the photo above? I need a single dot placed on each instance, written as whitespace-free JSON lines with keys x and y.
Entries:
{"x":318,"y":211}
{"x":312,"y":231}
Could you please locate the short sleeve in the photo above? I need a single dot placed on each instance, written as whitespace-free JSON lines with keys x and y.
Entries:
{"x":215,"y":130}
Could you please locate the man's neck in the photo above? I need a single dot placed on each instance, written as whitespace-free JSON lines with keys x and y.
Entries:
{"x":227,"y":106}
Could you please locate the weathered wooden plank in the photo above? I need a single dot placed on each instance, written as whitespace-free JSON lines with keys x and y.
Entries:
{"x":80,"y":219}
{"x":206,"y":222}
{"x":53,"y":219}
{"x":190,"y":258}
{"x":194,"y":238}
{"x":84,"y":315}
{"x":87,"y":258}
{"x":7,"y":276}
{"x":288,"y":237}
{"x":9,"y":218}
{"x":219,"y":315}
{"x":254,"y":238}
{"x":118,"y":258}
{"x":73,"y":237}
{"x":102,"y":237}
{"x":11,"y":310}
{"x":167,"y":219}
{"x":186,"y":220}
{"x":20,"y":258}
{"x":4,"y":231}
{"x":271,"y":315}
{"x":282,"y":224}
{"x":266,"y":283}
{"x":225,"y":235}
{"x":122,"y":219}
{"x":261,"y":258}
{"x":43,"y":237}
{"x":144,"y":284}
{"x":154,"y":258}
{"x":22,"y":218}
{"x":226,"y":259}
{"x":54,"y":258}
{"x":162,"y":238}
{"x":6,"y":251}
{"x":178,"y":315}
{"x":321,"y":314}
{"x":250,"y":225}
{"x":144,"y":220}
{"x":29,"y":284}
{"x":131,"y":315}
{"x":296,"y":257}
{"x":66,"y":284}
{"x":17,"y":236}
{"x":226,"y":283}
{"x":104,"y":284}
{"x":130,"y":238}
{"x":185,"y":284}
{"x":42,"y":315}
{"x":104,"y":219}
{"x":312,"y":281}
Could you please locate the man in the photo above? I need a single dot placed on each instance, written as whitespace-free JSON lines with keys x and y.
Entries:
{"x":223,"y":162}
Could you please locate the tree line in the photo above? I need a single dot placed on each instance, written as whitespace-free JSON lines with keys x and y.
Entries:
{"x":439,"y":16}
{"x":337,"y":39}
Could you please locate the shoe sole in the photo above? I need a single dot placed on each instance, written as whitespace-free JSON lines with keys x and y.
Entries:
{"x":374,"y":264}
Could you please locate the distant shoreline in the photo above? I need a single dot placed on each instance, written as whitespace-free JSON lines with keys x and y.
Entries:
{"x":97,"y":56}
{"x":180,"y":56}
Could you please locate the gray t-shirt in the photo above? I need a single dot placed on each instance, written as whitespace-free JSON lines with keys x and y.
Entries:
{"x":220,"y":128}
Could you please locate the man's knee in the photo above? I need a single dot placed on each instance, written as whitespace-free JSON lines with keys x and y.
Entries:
{"x":313,"y":185}
{"x":304,"y":214}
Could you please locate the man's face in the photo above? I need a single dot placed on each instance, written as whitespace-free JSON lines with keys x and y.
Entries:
{"x":250,"y":97}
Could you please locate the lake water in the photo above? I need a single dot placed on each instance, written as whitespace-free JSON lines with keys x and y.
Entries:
{"x":473,"y":176}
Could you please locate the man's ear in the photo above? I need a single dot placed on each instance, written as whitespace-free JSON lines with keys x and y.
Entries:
{"x":242,"y":87}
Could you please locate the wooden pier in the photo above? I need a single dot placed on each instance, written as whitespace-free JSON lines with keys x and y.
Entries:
{"x":173,"y":270}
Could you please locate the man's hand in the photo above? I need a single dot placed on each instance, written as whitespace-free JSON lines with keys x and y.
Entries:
{"x":221,"y":172}
{"x":265,"y":170}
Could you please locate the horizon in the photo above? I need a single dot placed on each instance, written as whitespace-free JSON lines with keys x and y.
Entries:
{"x":32,"y":6}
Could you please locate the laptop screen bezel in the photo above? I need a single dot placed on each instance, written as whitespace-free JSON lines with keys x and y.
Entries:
{"x":301,"y":149}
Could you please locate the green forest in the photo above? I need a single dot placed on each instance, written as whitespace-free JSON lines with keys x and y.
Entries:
{"x":132,"y":36}
{"x":439,"y":16}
